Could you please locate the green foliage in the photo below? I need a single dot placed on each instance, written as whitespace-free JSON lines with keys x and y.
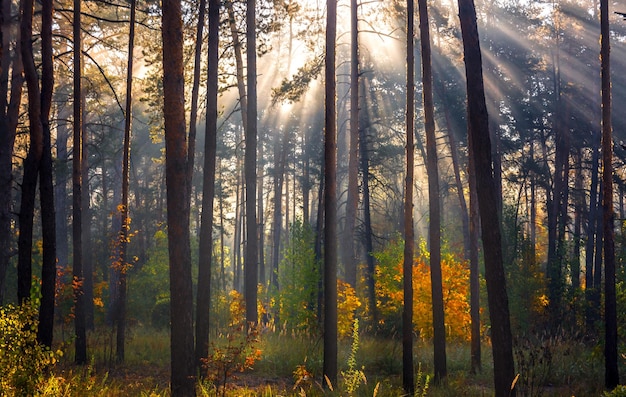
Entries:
{"x":24,"y":363}
{"x":422,"y":381}
{"x":353,"y":377}
{"x":619,"y":391}
{"x":389,"y":285}
{"x":298,"y":279}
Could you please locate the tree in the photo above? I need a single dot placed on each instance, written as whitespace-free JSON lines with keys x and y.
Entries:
{"x":330,"y":198}
{"x":434,"y":226}
{"x":181,"y":296}
{"x":203,"y":307}
{"x":480,"y":151}
{"x":9,"y":111}
{"x":350,"y":261}
{"x":251,"y":276}
{"x":80,"y":343}
{"x":611,"y":374}
{"x":124,"y":234}
{"x":408,"y":380}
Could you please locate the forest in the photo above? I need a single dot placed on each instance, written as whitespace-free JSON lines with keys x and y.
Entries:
{"x":312,"y":198}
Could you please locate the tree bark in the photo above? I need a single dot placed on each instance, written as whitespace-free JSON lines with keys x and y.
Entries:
{"x":349,"y":253}
{"x":176,"y":157}
{"x":80,"y":343}
{"x":434,"y":205}
{"x":611,"y":373}
{"x":330,"y":198}
{"x":478,"y":126}
{"x":250,"y":161}
{"x":408,"y":379}
{"x":203,"y":304}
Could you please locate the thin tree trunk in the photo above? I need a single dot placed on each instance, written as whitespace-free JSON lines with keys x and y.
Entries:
{"x":203,"y":303}
{"x":250,"y":163}
{"x":330,"y":198}
{"x":122,"y":265}
{"x":611,"y":373}
{"x":87,"y":241}
{"x":349,"y":253}
{"x":80,"y":343}
{"x":592,"y":296}
{"x":434,"y":205}
{"x":478,"y":126}
{"x":408,"y":380}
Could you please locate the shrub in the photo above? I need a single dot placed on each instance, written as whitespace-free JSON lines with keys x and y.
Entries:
{"x":24,"y":363}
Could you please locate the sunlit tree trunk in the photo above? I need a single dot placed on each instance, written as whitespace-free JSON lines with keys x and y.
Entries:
{"x":250,"y":162}
{"x":478,"y":126}
{"x":176,"y":156}
{"x":370,"y":270}
{"x":408,"y":379}
{"x":203,"y":300}
{"x":80,"y":342}
{"x":578,"y":220}
{"x":280,"y":154}
{"x":330,"y":198}
{"x":611,"y":373}
{"x":349,"y":254}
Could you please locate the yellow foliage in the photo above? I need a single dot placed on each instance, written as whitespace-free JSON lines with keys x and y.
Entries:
{"x":347,"y":303}
{"x":455,"y":285}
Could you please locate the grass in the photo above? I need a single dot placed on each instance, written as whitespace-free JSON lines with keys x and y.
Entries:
{"x":576,"y":369}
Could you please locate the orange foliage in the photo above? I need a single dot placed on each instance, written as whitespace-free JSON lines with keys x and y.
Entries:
{"x":347,"y":304}
{"x":455,"y":299}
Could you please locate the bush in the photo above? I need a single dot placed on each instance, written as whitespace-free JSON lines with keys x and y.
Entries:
{"x":24,"y":363}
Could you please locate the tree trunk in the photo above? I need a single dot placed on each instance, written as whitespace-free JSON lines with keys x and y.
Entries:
{"x":46,"y":185}
{"x":611,"y":373}
{"x":349,"y":253}
{"x":87,"y":240}
{"x":122,"y":266}
{"x":592,"y":295}
{"x":478,"y":126}
{"x":176,"y":157}
{"x":330,"y":198}
{"x":434,"y":226}
{"x":203,"y":300}
{"x":250,"y":160}
{"x":408,"y":380}
{"x":80,"y":343}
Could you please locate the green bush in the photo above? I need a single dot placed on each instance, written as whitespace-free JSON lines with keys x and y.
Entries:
{"x":24,"y":363}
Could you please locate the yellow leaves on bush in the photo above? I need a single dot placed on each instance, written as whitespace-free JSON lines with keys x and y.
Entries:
{"x":455,"y":285}
{"x":347,"y":303}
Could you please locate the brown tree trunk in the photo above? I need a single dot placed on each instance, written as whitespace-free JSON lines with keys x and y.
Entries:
{"x":434,"y":205}
{"x":203,"y":300}
{"x":408,"y":379}
{"x":480,"y":149}
{"x":611,"y":373}
{"x":349,"y":252}
{"x":251,"y":267}
{"x":80,"y":343}
{"x":122,"y":266}
{"x":330,"y":198}
{"x":176,"y":156}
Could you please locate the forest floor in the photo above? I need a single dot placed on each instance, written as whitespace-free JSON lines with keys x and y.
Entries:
{"x":290,"y":366}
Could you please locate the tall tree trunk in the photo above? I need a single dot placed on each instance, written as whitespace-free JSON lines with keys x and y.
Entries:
{"x":408,"y":380}
{"x":592,"y":295}
{"x":80,"y":343}
{"x":33,"y":158}
{"x":349,"y":253}
{"x":87,"y":240}
{"x":434,"y":205}
{"x":280,"y":154}
{"x":330,"y":198}
{"x":480,"y":149}
{"x":474,"y":230}
{"x":203,"y":300}
{"x":122,"y":266}
{"x":46,"y":185}
{"x":250,"y":161}
{"x":176,"y":157}
{"x":370,"y":269}
{"x":611,"y":373}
